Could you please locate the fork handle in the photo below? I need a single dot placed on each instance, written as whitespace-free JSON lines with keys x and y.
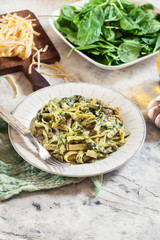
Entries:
{"x":12,"y":121}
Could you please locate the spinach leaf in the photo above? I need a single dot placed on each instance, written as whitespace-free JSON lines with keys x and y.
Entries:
{"x":133,"y":39}
{"x":87,"y":47}
{"x":90,"y":29}
{"x":137,"y":14}
{"x":140,"y":14}
{"x":72,"y":37}
{"x":108,"y":33}
{"x":63,"y":25}
{"x":152,"y":35}
{"x":93,"y":3}
{"x":138,"y":20}
{"x":143,"y":29}
{"x":112,"y":13}
{"x":81,"y":15}
{"x":127,"y":5}
{"x":127,"y":23}
{"x":154,"y":26}
{"x":146,"y":49}
{"x":149,"y":41}
{"x":68,"y":11}
{"x":157,"y":45}
{"x":129,"y":51}
{"x":74,"y":26}
{"x":149,"y":13}
{"x":118,"y":34}
{"x":105,"y":44}
{"x":147,"y":6}
{"x":94,"y":52}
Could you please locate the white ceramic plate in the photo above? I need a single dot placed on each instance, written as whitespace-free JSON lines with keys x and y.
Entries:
{"x":130,"y":114}
{"x":79,"y":5}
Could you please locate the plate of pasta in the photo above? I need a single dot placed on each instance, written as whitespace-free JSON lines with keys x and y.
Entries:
{"x":91,"y":129}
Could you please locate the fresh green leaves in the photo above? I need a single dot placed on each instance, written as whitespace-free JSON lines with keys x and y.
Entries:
{"x":127,"y":5}
{"x":112,"y":32}
{"x":129,"y":51}
{"x":93,"y":3}
{"x":90,"y":28}
{"x":108,"y":33}
{"x":127,"y":23}
{"x":112,"y":13}
{"x":63,"y":25}
{"x":68,"y":11}
{"x":157,"y":45}
{"x":154,"y":26}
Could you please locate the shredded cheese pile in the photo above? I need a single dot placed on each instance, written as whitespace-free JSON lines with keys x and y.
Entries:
{"x":16,"y":36}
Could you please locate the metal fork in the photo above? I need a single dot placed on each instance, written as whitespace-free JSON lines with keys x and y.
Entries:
{"x":43,"y":153}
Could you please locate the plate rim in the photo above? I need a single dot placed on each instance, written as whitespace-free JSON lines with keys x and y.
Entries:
{"x":103,"y":66}
{"x":10,"y":129}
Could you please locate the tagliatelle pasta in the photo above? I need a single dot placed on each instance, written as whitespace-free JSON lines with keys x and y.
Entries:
{"x":78,"y":130}
{"x":14,"y":86}
{"x":17,"y":40}
{"x":60,"y":71}
{"x":16,"y":36}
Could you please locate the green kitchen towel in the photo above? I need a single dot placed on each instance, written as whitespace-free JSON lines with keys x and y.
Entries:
{"x":16,"y":175}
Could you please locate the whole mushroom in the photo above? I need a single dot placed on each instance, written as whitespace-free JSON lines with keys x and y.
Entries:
{"x":154,"y":111}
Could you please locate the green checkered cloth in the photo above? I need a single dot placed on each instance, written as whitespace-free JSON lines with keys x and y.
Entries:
{"x":17,"y":175}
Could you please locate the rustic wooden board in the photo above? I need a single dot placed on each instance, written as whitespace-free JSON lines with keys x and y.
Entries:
{"x":10,"y":65}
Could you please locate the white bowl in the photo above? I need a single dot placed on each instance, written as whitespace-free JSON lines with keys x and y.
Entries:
{"x":79,"y":5}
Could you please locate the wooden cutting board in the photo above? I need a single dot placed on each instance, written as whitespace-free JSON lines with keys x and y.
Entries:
{"x":11,"y":65}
